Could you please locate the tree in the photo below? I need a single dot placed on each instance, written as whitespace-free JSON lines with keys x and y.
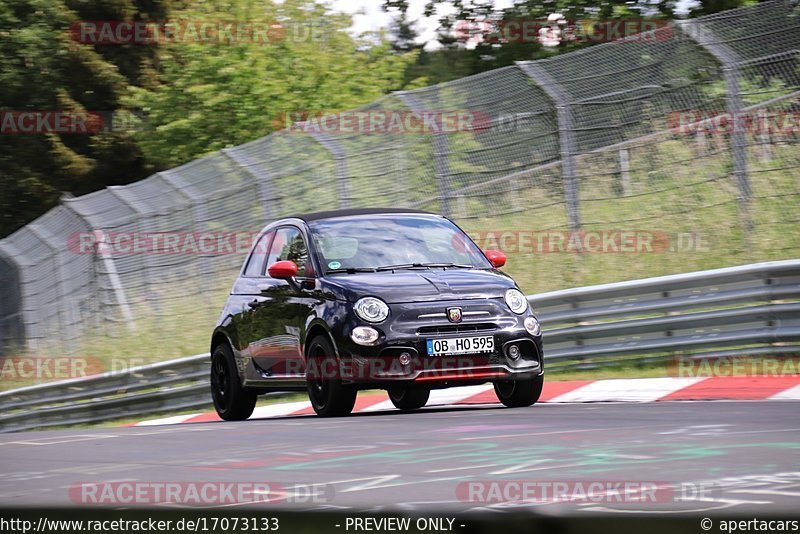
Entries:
{"x":42,"y":68}
{"x":211,"y":96}
{"x":457,"y":58}
{"x":706,"y":7}
{"x":403,"y":34}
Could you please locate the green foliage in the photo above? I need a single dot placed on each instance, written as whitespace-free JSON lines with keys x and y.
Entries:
{"x":707,"y":7}
{"x":196,"y":97}
{"x":753,"y":89}
{"x":211,"y":96}
{"x":43,"y":69}
{"x":456,"y":60}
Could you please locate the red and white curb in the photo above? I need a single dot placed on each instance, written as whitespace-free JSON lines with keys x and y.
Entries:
{"x":573,"y":391}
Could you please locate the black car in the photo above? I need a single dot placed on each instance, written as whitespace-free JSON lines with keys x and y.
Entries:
{"x":401,"y":300}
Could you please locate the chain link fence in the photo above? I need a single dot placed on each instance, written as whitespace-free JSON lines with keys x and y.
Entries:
{"x":690,"y":129}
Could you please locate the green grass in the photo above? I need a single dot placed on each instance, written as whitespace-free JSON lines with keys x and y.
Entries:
{"x":671,"y":199}
{"x":623,"y":371}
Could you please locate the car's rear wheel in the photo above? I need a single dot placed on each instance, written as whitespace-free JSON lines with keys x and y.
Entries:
{"x":408,"y":399}
{"x":329,"y":397}
{"x":519,"y":393}
{"x":232,"y":401}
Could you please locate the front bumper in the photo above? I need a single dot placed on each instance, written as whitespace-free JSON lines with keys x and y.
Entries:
{"x":400,"y":356}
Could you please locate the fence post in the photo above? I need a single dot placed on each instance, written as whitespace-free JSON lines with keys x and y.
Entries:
{"x":625,"y":171}
{"x":738,"y":138}
{"x":566,"y":138}
{"x":266,"y":190}
{"x":439,"y":154}
{"x":340,"y":159}
{"x":733,"y":98}
{"x":764,"y":135}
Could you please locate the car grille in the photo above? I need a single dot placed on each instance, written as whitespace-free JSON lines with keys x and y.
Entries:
{"x":467,"y":328}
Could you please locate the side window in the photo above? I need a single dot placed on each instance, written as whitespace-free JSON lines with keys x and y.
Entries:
{"x":289,"y":245}
{"x":255,"y":264}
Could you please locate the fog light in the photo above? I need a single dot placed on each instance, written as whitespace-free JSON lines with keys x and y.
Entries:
{"x":532,"y":326}
{"x":405,"y":358}
{"x":364,"y":335}
{"x":513,"y":352}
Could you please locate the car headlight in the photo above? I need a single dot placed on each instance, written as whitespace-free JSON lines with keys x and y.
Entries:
{"x":532,"y":325}
{"x":371,"y":309}
{"x":365,"y":335}
{"x":516,"y":301}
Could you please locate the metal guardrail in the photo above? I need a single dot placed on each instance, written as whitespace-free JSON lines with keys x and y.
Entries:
{"x":750,"y":310}
{"x":160,"y":387}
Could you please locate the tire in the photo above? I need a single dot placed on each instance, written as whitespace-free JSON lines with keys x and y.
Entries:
{"x":232,"y":401}
{"x":328,"y":396}
{"x":408,"y":399}
{"x":519,"y":393}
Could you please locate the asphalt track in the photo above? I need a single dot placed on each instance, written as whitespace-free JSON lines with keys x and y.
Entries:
{"x":716,"y":456}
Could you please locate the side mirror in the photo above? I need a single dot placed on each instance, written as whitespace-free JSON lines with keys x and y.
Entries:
{"x":283,"y":269}
{"x":496,"y":258}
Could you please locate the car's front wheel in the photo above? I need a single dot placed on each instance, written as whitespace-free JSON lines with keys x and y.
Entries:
{"x":232,"y":401}
{"x":408,"y":399}
{"x":519,"y":393}
{"x":329,"y":397}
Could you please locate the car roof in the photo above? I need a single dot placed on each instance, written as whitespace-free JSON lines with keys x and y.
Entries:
{"x":360,"y":211}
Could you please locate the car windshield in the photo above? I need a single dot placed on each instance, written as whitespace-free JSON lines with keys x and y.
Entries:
{"x":388,"y":242}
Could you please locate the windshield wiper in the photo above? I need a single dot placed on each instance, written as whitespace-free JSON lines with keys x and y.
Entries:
{"x":352,"y":270}
{"x":422,"y":265}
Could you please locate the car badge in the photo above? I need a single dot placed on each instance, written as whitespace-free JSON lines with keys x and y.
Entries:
{"x":454,"y":315}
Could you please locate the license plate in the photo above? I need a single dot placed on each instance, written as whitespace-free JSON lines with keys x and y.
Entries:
{"x":460,"y":345}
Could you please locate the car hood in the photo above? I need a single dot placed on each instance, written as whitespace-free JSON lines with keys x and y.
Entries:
{"x":421,"y":285}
